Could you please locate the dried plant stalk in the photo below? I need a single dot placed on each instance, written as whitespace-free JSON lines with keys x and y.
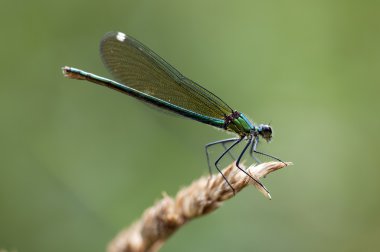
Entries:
{"x":204,"y":195}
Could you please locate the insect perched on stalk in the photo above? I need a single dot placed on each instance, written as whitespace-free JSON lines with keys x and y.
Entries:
{"x":143,"y":74}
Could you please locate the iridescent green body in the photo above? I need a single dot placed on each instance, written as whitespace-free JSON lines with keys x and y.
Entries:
{"x":240,"y":125}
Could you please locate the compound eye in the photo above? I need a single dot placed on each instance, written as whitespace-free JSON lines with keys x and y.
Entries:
{"x":270,"y":129}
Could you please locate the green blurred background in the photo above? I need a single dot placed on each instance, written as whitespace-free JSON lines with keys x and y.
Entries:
{"x":79,"y":162}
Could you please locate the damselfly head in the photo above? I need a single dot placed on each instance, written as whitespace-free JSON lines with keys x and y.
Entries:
{"x":265,"y":131}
